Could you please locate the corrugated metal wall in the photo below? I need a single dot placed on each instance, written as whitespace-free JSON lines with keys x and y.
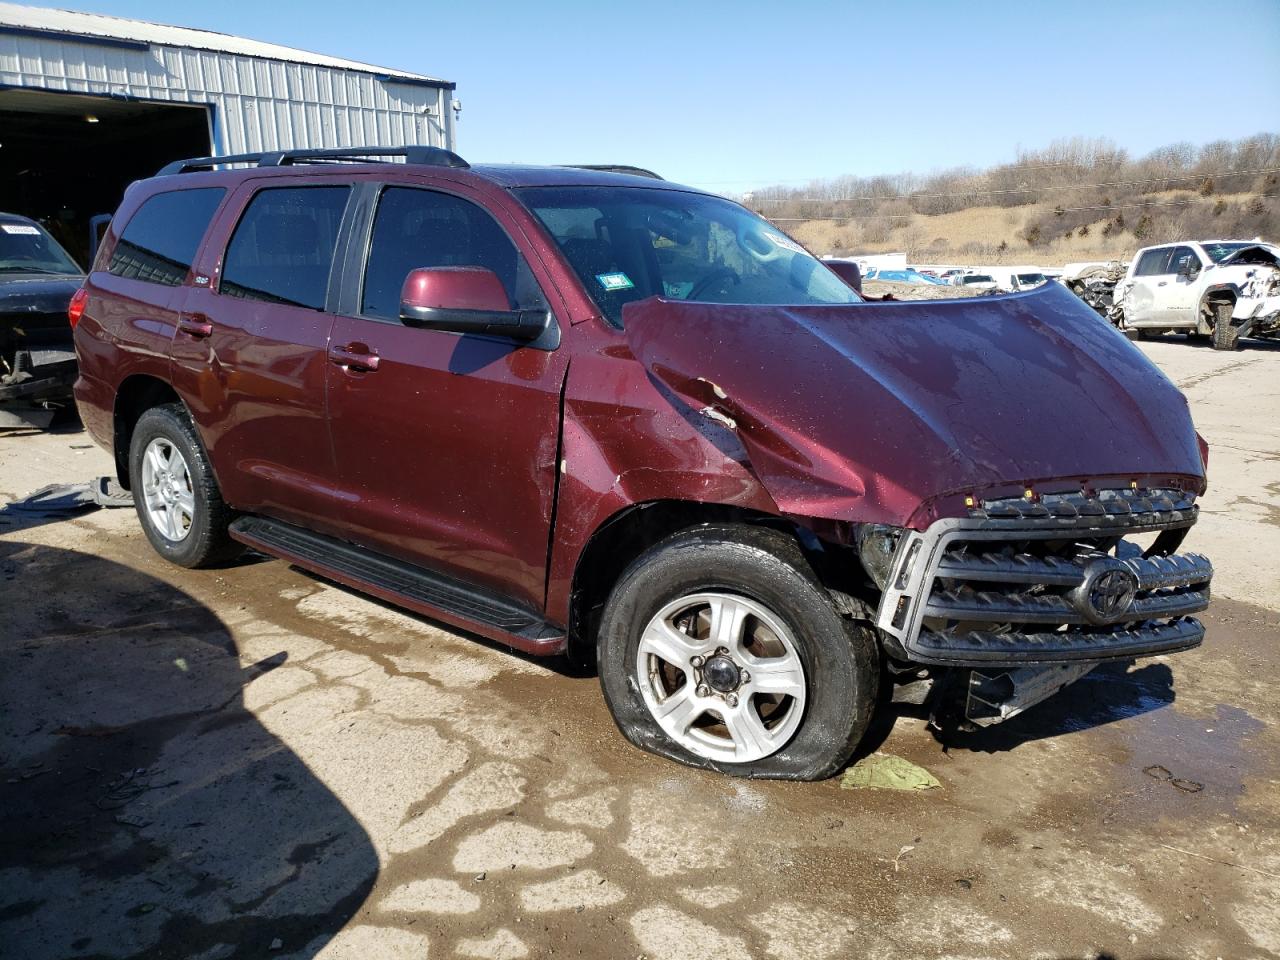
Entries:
{"x":258,"y":104}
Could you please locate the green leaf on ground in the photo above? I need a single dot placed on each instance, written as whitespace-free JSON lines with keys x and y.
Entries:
{"x":882,"y":771}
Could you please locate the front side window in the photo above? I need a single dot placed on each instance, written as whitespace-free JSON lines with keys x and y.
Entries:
{"x":416,"y":228}
{"x":161,"y":239}
{"x":629,"y":243}
{"x":1153,"y":263}
{"x":282,"y":250}
{"x":1184,"y":259}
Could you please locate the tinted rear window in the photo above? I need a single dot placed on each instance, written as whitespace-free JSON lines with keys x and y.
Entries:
{"x":161,"y":239}
{"x":282,"y":250}
{"x":1154,"y":263}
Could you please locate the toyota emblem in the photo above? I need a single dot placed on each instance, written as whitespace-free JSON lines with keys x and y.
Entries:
{"x":1107,"y":592}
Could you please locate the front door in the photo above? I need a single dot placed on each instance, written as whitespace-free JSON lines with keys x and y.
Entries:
{"x":252,"y":349}
{"x":446,"y":445}
{"x":1181,"y":303}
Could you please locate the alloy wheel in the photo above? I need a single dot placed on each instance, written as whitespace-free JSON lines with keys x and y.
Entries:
{"x":167,"y":491}
{"x":722,"y":676}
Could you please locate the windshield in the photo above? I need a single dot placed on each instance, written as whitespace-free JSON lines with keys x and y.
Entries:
{"x":1030,"y":278}
{"x":629,"y":243}
{"x":1220,"y":251}
{"x":26,"y":248}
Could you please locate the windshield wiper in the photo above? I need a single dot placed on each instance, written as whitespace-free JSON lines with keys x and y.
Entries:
{"x":40,"y":270}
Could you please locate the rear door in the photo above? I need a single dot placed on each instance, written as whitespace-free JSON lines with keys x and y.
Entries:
{"x":1145,"y":300}
{"x":250,"y":350}
{"x":142,"y":286}
{"x":446,"y":452}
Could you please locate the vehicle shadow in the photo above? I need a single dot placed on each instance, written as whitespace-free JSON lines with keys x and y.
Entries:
{"x":1110,"y":692}
{"x":144,"y":809}
{"x":1204,"y":343}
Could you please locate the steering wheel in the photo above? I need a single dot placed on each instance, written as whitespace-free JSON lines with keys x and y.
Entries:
{"x":757,"y":243}
{"x":717,"y":275}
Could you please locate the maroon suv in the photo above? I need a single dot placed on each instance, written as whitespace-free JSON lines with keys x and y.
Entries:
{"x":587,"y":411}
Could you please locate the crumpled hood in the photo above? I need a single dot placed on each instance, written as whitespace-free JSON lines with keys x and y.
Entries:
{"x":1256,"y":255}
{"x":36,"y":292}
{"x":864,"y":412}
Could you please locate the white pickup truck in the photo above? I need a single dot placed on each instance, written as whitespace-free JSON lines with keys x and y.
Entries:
{"x":1223,"y":289}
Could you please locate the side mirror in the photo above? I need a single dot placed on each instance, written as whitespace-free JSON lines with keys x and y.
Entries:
{"x":847,"y":271}
{"x":1190,"y":268}
{"x":465,"y":300}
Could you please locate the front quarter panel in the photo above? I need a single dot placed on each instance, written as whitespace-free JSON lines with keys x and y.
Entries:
{"x":627,"y":442}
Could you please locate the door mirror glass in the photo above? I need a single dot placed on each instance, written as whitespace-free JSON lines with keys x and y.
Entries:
{"x":847,"y":271}
{"x":465,"y":300}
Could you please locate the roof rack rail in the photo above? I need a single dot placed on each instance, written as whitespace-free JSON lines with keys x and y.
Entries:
{"x":430,"y":156}
{"x":616,"y":168}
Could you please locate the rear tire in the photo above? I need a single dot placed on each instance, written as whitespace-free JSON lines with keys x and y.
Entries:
{"x":174,"y":491}
{"x":1225,"y":336}
{"x":747,"y":591}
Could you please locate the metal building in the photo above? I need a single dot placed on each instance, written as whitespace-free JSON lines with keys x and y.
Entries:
{"x":89,"y":103}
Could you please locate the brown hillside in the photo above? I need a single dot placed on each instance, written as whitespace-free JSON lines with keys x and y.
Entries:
{"x":1076,"y":200}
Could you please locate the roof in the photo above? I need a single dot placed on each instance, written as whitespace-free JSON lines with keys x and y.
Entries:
{"x":71,"y":25}
{"x":522,"y":175}
{"x":506,"y":176}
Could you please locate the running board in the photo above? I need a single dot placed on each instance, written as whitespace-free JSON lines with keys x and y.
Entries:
{"x":404,"y":584}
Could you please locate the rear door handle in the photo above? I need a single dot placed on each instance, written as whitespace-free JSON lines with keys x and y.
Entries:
{"x":195,"y":324}
{"x":354,"y":356}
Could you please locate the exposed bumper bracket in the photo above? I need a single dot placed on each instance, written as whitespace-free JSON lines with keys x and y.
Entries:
{"x":995,"y":695}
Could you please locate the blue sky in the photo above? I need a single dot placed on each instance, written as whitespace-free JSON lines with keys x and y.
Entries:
{"x":735,"y":95}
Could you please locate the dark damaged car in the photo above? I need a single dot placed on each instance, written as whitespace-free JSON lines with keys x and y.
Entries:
{"x":37,"y":359}
{"x":590,"y":412}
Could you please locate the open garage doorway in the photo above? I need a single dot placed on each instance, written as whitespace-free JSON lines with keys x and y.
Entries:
{"x":65,"y":158}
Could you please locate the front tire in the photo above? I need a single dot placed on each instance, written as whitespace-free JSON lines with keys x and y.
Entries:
{"x":1225,"y":336}
{"x":174,"y":491}
{"x":720,"y":649}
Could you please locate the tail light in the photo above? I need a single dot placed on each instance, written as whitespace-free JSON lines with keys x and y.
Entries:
{"x":75,"y":309}
{"x":1204,"y":451}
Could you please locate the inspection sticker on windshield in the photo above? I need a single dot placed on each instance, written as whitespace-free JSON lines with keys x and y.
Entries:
{"x":22,"y":228}
{"x":786,"y":243}
{"x":614,"y":281}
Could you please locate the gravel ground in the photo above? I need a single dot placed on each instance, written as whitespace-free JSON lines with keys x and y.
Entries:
{"x":252,"y":762}
{"x":916,"y":291}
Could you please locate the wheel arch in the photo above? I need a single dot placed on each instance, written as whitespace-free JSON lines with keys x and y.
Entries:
{"x":136,"y":394}
{"x":1218,"y":293}
{"x":630,"y":531}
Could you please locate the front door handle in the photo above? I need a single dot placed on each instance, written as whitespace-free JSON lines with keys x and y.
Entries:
{"x":354,"y":356}
{"x":195,"y":324}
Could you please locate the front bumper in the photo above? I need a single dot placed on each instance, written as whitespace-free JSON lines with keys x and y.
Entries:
{"x":1256,"y":315}
{"x":1048,"y":581}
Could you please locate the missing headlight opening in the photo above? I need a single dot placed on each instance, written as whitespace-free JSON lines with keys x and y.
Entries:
{"x":877,"y":544}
